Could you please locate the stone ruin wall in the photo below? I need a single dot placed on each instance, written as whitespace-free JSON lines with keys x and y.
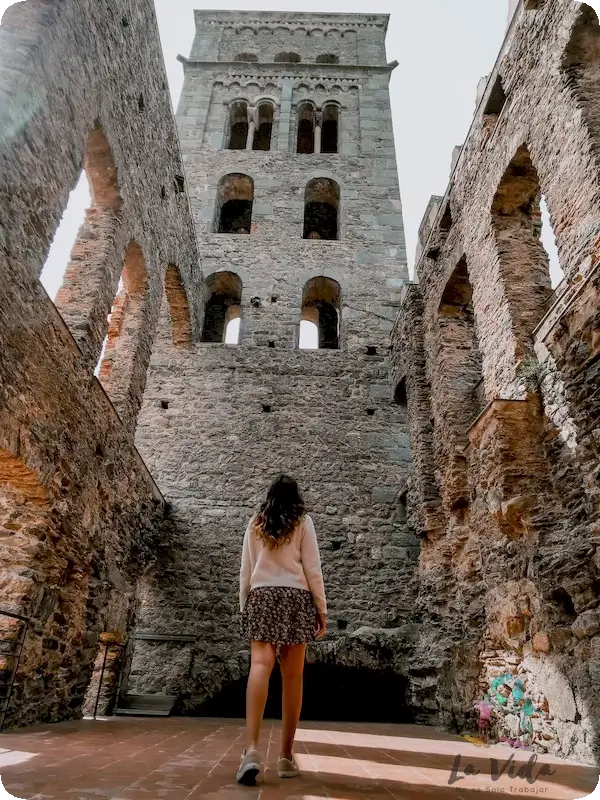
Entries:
{"x":502,"y":381}
{"x":79,"y":511}
{"x":332,"y":421}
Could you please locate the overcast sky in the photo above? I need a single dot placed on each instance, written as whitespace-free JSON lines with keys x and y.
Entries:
{"x":443,"y":48}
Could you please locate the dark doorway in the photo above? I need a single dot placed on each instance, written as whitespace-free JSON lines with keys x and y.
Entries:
{"x":331,"y":694}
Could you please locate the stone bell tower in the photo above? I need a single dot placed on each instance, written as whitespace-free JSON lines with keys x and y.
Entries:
{"x":287,"y":140}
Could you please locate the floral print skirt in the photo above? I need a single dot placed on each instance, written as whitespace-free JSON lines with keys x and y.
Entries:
{"x":280,"y":615}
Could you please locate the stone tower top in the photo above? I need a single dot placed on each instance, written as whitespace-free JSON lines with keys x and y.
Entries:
{"x":290,"y":37}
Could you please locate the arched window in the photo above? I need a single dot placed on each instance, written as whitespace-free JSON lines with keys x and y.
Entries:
{"x":329,"y":133}
{"x":235,"y":197}
{"x":460,"y":357}
{"x":321,"y":302}
{"x":581,"y":65}
{"x":287,"y":58}
{"x":321,"y":209}
{"x":327,"y":58}
{"x":264,"y":126}
{"x":400,"y":395}
{"x":306,"y":129}
{"x":246,"y":57}
{"x":77,"y":283}
{"x":524,"y":265}
{"x":124,"y":354}
{"x":238,"y":126}
{"x":222,"y":311}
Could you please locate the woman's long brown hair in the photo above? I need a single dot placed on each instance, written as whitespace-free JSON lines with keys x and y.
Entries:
{"x":279,"y":514}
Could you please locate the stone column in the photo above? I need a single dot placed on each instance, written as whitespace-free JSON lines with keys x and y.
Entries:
{"x":318,"y":129}
{"x":285,"y":110}
{"x":251,"y":127}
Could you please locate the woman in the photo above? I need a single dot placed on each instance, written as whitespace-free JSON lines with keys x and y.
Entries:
{"x":282,"y":599}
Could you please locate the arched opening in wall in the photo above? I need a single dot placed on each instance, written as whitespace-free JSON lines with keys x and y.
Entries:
{"x":330,"y":130}
{"x":321,"y":209}
{"x":549,"y":241}
{"x":524,"y":263}
{"x":235,"y":198}
{"x":65,"y":237}
{"x":321,"y":308}
{"x":249,"y":57}
{"x":306,"y":129}
{"x":327,"y":58}
{"x":287,"y":58}
{"x":459,"y":354}
{"x":124,"y":321}
{"x":264,"y":126}
{"x":223,"y":308}
{"x":400,"y":395}
{"x":179,"y":309}
{"x":92,"y":206}
{"x":238,"y":126}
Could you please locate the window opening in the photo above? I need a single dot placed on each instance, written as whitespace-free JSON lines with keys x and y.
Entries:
{"x":321,"y":209}
{"x":327,"y":58}
{"x":329,"y":133}
{"x":517,"y":222}
{"x":321,"y":305}
{"x":400,"y":396}
{"x":238,"y":126}
{"x":264,"y":127}
{"x":222,"y":311}
{"x":235,"y":198}
{"x":287,"y":58}
{"x":549,"y":241}
{"x":66,"y":236}
{"x":306,"y":129}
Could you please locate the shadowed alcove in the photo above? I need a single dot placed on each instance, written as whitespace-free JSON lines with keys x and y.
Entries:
{"x":332,"y":693}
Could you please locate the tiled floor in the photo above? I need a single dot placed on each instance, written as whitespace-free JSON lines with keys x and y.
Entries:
{"x":188,"y":759}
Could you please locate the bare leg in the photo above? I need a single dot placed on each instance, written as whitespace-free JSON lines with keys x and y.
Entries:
{"x":292,"y":668}
{"x":261,"y":665}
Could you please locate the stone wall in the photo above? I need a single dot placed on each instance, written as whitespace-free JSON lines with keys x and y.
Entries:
{"x":79,"y":511}
{"x":507,"y":499}
{"x":219,"y":421}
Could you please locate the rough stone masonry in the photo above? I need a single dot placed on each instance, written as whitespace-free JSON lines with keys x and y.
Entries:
{"x":453,"y":480}
{"x":502,"y":380}
{"x":262,"y":91}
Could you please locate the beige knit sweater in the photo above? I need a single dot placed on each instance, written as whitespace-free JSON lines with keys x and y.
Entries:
{"x":296,"y":564}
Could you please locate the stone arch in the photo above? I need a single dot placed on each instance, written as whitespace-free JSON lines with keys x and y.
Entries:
{"x":249,"y":57}
{"x":460,"y":388}
{"x":321,"y":307}
{"x":265,"y":116}
{"x":287,"y":58}
{"x":321,"y":209}
{"x":306,"y":115}
{"x":523,"y":261}
{"x":80,"y":298}
{"x":235,"y":199}
{"x":179,"y":310}
{"x":330,"y":127}
{"x":223,"y":304}
{"x":237,"y":136}
{"x":124,"y":360}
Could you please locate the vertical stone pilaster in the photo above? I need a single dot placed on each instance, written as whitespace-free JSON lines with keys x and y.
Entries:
{"x":285,"y":113}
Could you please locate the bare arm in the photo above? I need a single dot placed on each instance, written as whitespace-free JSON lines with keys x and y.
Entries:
{"x":245,"y":569}
{"x":311,"y":563}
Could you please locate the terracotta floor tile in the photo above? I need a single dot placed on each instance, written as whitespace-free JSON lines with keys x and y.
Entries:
{"x":196,"y":759}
